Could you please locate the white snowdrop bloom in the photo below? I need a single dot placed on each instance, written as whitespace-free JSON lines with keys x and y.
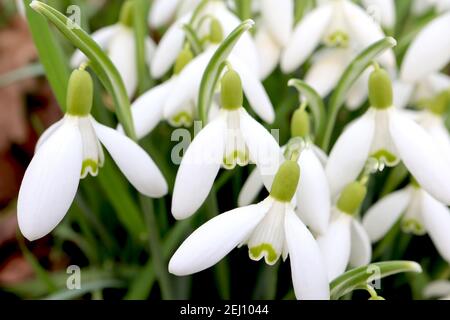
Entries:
{"x":71,"y":149}
{"x":429,"y":52}
{"x":270,"y":229}
{"x":118,"y":41}
{"x":232,"y":138}
{"x":383,"y":11}
{"x":421,"y":6}
{"x":386,"y":134}
{"x":346,"y":242}
{"x":439,"y":289}
{"x":164,"y":11}
{"x":174,"y":39}
{"x":312,"y":197}
{"x":420,"y":214}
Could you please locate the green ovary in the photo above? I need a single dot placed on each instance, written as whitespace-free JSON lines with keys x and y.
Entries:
{"x":256,"y":253}
{"x":89,"y":166}
{"x":385,"y":157}
{"x":236,"y":157}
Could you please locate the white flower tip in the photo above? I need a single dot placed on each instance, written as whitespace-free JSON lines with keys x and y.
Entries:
{"x":392,"y":41}
{"x":29,"y":230}
{"x":179,"y":212}
{"x":415,"y":267}
{"x":35,"y":4}
{"x":249,"y":23}
{"x":176,"y":268}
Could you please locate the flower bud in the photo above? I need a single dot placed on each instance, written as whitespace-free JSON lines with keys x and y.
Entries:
{"x":439,"y":105}
{"x":127,"y":14}
{"x":80,"y":92}
{"x":286,"y":181}
{"x":183,"y":60}
{"x":380,"y":89}
{"x":215,"y":31}
{"x":231,"y":90}
{"x":300,"y":125}
{"x":352,"y":197}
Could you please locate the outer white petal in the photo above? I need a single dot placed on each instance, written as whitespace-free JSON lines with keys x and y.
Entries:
{"x":309,"y":274}
{"x":279,"y":18}
{"x":50,"y":182}
{"x":359,"y":91}
{"x":198,"y":169}
{"x":441,"y":135}
{"x":436,"y":218}
{"x":269,"y":52}
{"x":361,"y":249}
{"x":437,"y":289}
{"x":306,"y":37}
{"x":366,"y":31}
{"x":383,"y":214}
{"x":216,"y":238}
{"x":48,"y":133}
{"x":254,"y":91}
{"x":326,"y":69}
{"x":313,"y":194}
{"x":162,"y":12}
{"x":429,"y":52}
{"x":122,"y":53}
{"x":335,"y":245}
{"x":102,"y":37}
{"x":384,"y":11}
{"x":421,"y":156}
{"x":262,"y":146}
{"x":251,"y":188}
{"x":168,"y":48}
{"x":350,"y":153}
{"x":147,"y":110}
{"x":402,"y":93}
{"x":133,"y":161}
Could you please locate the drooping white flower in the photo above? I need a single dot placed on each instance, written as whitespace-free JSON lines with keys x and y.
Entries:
{"x":387,"y":135}
{"x":439,"y":289}
{"x":345,"y":242}
{"x":164,"y":11}
{"x":420,"y":214}
{"x":71,"y":149}
{"x":118,"y":41}
{"x":270,"y":229}
{"x":232,"y":138}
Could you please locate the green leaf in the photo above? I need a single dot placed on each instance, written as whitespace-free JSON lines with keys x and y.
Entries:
{"x":351,"y":74}
{"x":362,"y":276}
{"x":315,"y":102}
{"x":99,"y":61}
{"x":193,"y":40}
{"x":23,"y":73}
{"x":50,"y":54}
{"x":215,"y":67}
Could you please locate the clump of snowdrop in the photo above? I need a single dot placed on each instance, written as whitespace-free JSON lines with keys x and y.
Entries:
{"x":232,"y":138}
{"x":118,"y":41}
{"x":70,"y":150}
{"x":270,"y":229}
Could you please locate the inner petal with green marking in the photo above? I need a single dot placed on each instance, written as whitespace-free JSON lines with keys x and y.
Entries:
{"x":236,"y":151}
{"x":383,"y":148}
{"x":93,"y":156}
{"x":183,"y":118}
{"x":412,"y":220}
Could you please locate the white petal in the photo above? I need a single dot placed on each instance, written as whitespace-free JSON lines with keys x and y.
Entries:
{"x":279,"y":18}
{"x":150,"y":49}
{"x":384,"y":11}
{"x":216,"y":238}
{"x":429,"y":52}
{"x":441,"y":135}
{"x":326,"y":69}
{"x":306,"y":37}
{"x":47,"y":133}
{"x":269,"y":52}
{"x":335,"y":246}
{"x":251,"y":188}
{"x":254,"y":91}
{"x":262,"y":146}
{"x":437,"y":289}
{"x":122,"y":53}
{"x":436,"y":218}
{"x":313,"y":194}
{"x":133,"y":161}
{"x":147,"y":110}
{"x":384,"y":213}
{"x":50,"y":182}
{"x":350,"y":153}
{"x":102,"y":37}
{"x":402,"y":93}
{"x":359,"y":91}
{"x":162,"y":12}
{"x":361,"y":249}
{"x":198,"y":169}
{"x":309,"y":274}
{"x":168,"y":48}
{"x":421,"y":156}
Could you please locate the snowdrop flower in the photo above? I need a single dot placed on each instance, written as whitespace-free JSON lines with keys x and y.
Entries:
{"x":345,"y":241}
{"x":69,"y":150}
{"x":270,"y":229}
{"x":345,"y":29}
{"x":163,"y":11}
{"x":119,"y":42}
{"x":313,"y":195}
{"x":274,"y":32}
{"x":420,"y":214}
{"x":386,"y":134}
{"x":232,"y":138}
{"x":438,"y":289}
{"x":421,"y":6}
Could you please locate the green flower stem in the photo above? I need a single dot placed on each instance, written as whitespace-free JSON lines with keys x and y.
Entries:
{"x":244,"y":8}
